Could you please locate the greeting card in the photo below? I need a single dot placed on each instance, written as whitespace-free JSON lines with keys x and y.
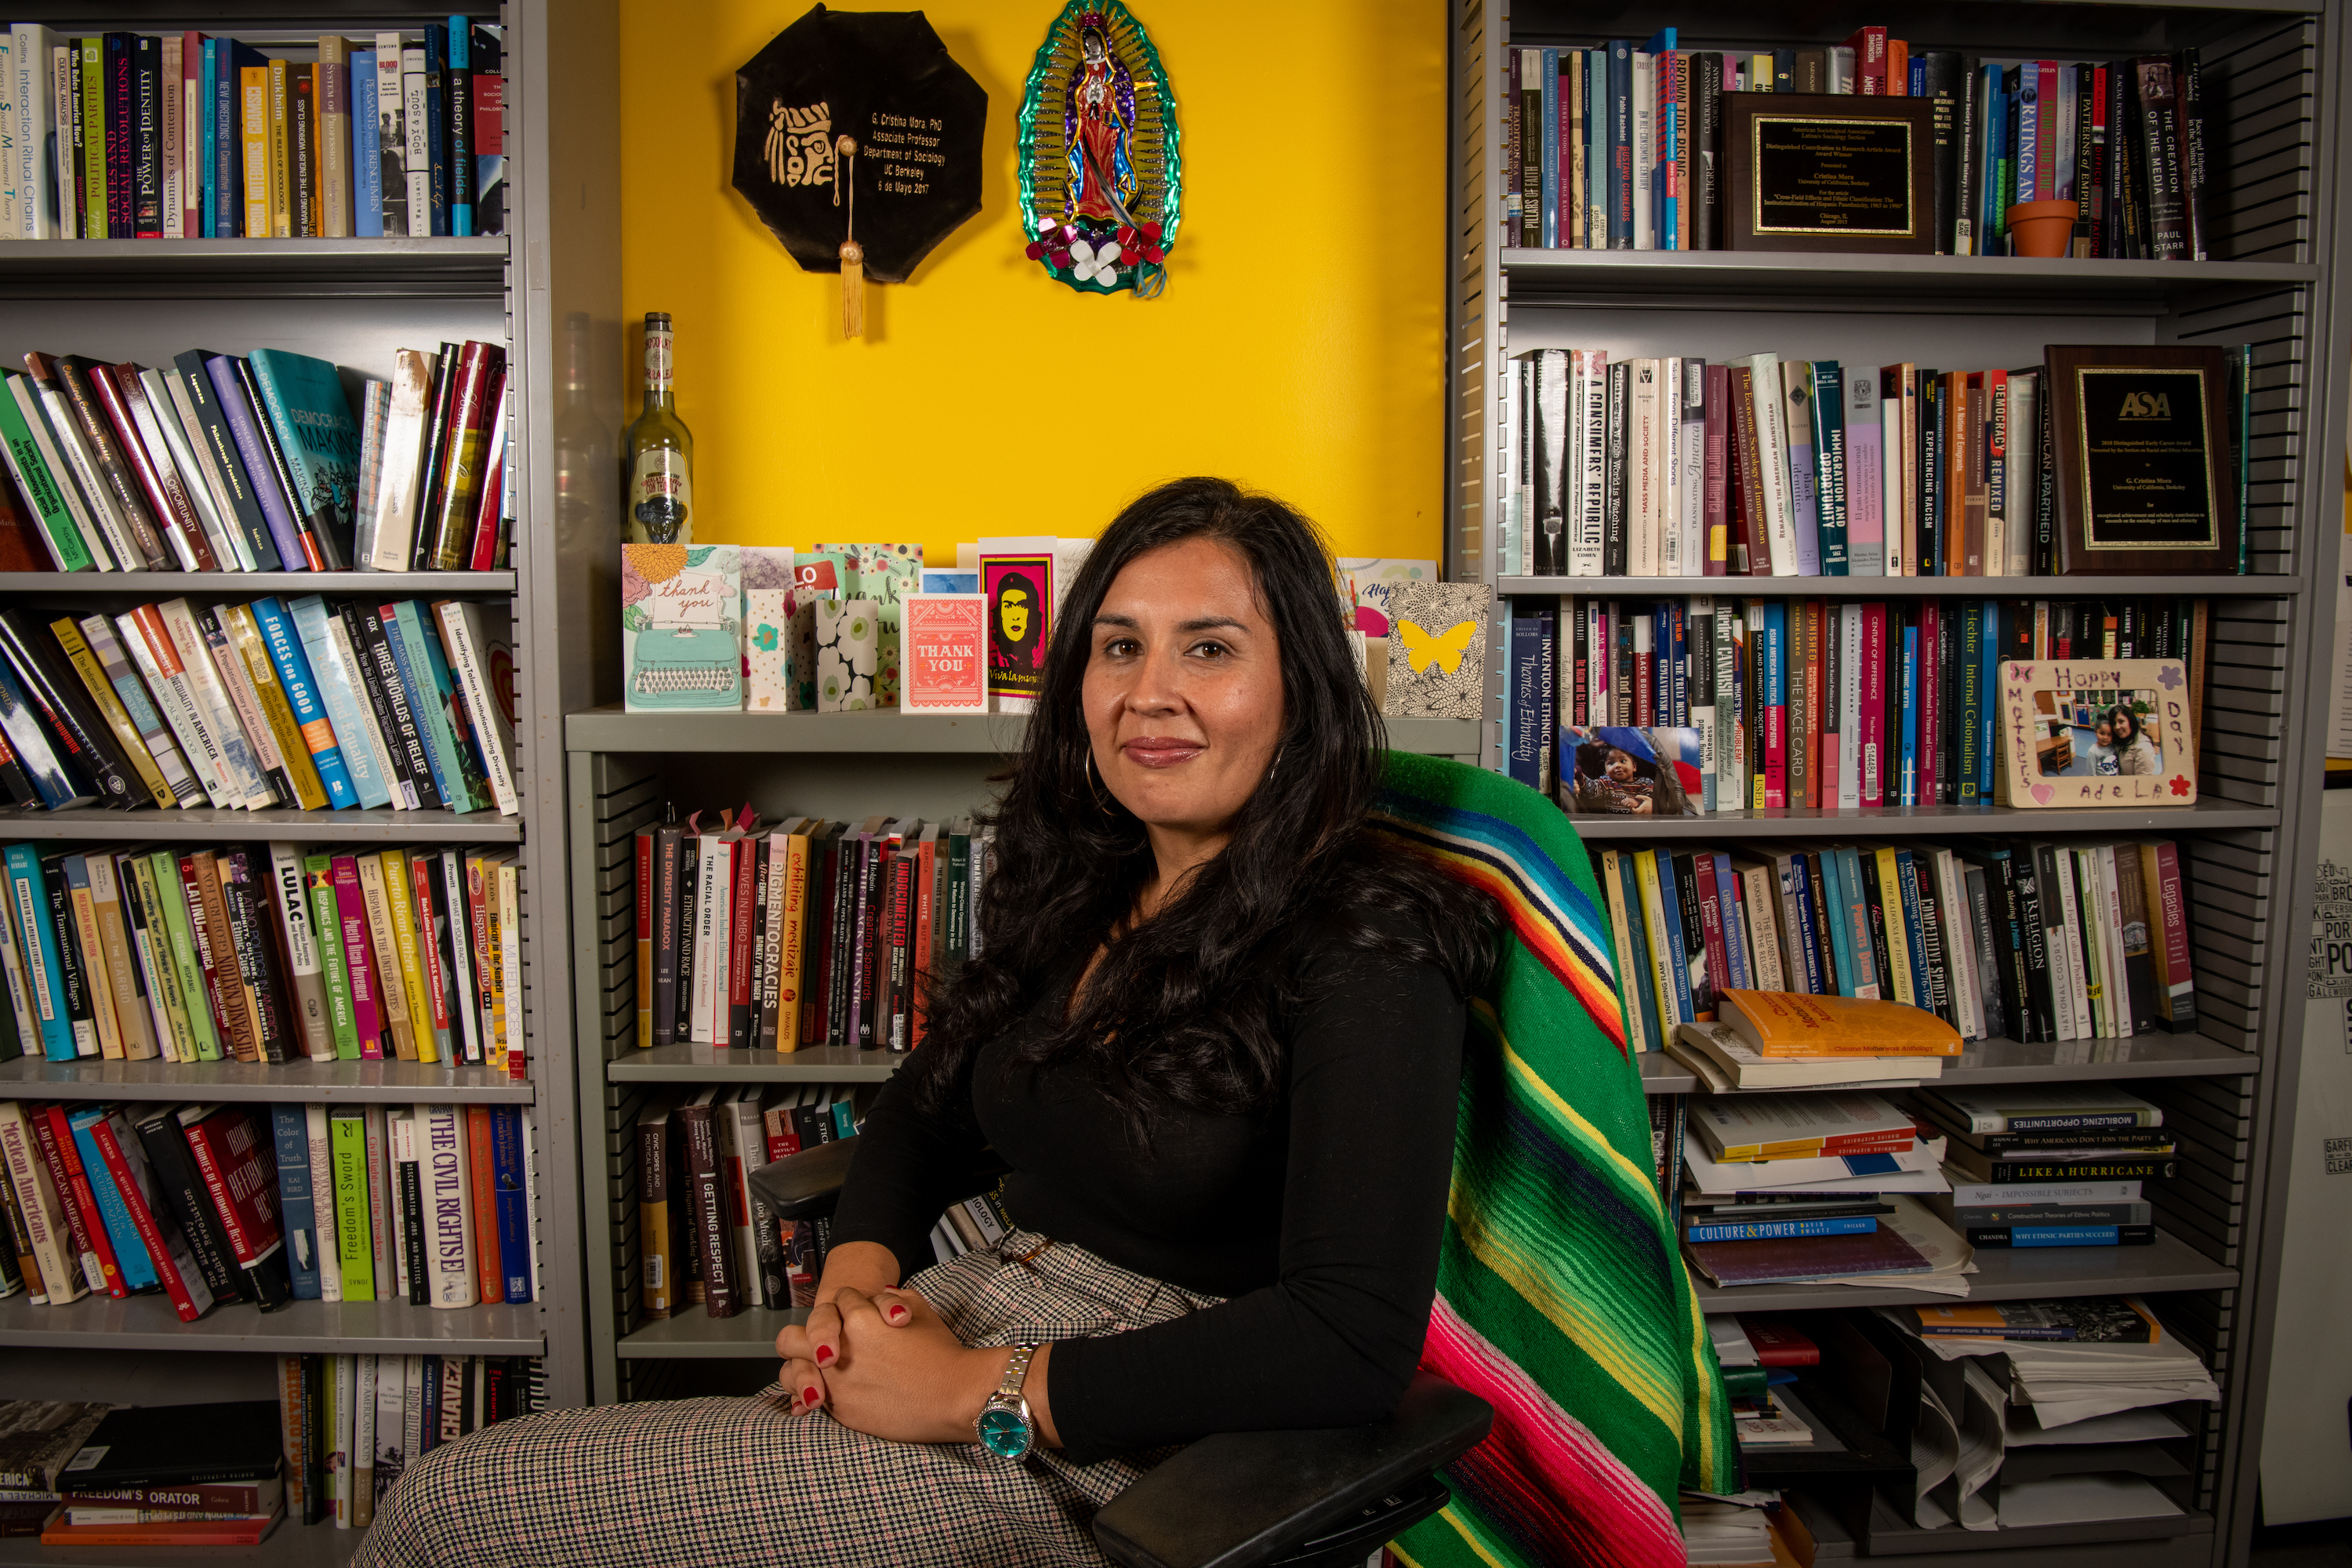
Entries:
{"x":945,"y":644}
{"x":681,"y":627}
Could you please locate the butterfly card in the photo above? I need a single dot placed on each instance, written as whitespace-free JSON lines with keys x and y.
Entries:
{"x":1437,"y":651}
{"x":946,"y":654}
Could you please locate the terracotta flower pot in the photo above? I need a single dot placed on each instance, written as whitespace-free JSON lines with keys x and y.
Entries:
{"x":2040,"y":228}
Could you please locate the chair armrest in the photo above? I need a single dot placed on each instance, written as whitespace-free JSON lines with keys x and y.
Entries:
{"x":1242,"y":1497}
{"x":807,"y":1185}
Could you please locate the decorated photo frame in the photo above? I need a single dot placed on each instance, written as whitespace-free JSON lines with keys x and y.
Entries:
{"x":1101,"y":173}
{"x":2107,"y":731}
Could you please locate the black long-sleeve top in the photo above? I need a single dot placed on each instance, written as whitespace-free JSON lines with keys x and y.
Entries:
{"x":1320,"y":1219}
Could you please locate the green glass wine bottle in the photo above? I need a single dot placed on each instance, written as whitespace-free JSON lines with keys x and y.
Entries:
{"x":660,"y":495}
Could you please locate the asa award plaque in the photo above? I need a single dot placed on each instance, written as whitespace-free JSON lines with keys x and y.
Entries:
{"x":2144,"y":477}
{"x":1816,"y":171}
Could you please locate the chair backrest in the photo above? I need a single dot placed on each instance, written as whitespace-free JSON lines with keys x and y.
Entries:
{"x":1562,"y":1297}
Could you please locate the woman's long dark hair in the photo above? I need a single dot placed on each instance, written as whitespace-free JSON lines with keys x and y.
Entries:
{"x":1184,"y":1011}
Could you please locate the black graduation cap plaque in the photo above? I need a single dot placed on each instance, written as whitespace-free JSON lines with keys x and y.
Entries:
{"x":857,"y":140}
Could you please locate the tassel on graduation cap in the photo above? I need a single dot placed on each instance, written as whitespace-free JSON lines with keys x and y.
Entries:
{"x":853,"y":254}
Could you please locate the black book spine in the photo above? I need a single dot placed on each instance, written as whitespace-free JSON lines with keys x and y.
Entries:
{"x":2085,"y":157}
{"x":1948,"y":707}
{"x":762,"y":1010}
{"x":1940,"y":990}
{"x":1931,"y":477}
{"x":1939,"y":72}
{"x":147,"y":153}
{"x":301,"y":169}
{"x":862,"y":971}
{"x":840,"y":1029}
{"x":2125,"y":135}
{"x":436,"y":452}
{"x":183,"y":1189}
{"x":313,"y":1438}
{"x":742,"y":873}
{"x":689,"y":890}
{"x":1988,"y":958}
{"x":250,"y":937}
{"x":412,"y":1235}
{"x":2159,"y":150}
{"x":2000,"y":1236}
{"x":1613,"y":543}
{"x":379,"y":701}
{"x":222,"y":442}
{"x":2002,"y":883}
{"x":1968,"y":131}
{"x":57,"y":692}
{"x":1702,"y":982}
{"x":1707,"y":97}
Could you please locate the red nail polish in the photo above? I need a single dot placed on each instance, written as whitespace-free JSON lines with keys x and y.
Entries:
{"x":824,"y":1354}
{"x":809,"y":1394}
{"x":898,"y":1314}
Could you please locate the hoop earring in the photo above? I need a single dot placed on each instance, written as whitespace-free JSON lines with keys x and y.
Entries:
{"x":1275,"y":766}
{"x":1094,"y":786}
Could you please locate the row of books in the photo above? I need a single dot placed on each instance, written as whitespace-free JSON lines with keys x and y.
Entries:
{"x":217,"y":463}
{"x":211,"y":1205}
{"x":126,"y":135}
{"x":705,"y":1236}
{"x":2054,"y":1165}
{"x":2033,"y":941}
{"x":1781,"y":467}
{"x":809,"y":932}
{"x":260,"y":705}
{"x":349,"y":1426}
{"x":96,"y":1475}
{"x":1816,"y":704}
{"x":268,"y":953}
{"x":1622,"y":146}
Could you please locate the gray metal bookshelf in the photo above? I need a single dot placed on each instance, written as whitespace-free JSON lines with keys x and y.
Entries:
{"x":2275,"y":70}
{"x":352,"y":303}
{"x":623,"y":767}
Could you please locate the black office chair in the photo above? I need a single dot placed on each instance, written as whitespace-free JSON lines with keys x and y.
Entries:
{"x":1321,"y":1499}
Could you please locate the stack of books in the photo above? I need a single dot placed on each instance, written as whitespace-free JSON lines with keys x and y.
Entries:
{"x":211,"y":1205}
{"x":350,"y":1425}
{"x":216,"y":463}
{"x":2030,"y":940}
{"x":809,"y":932}
{"x":705,"y":1236}
{"x":174,"y":1475}
{"x":38,"y":1437}
{"x":271,"y":954}
{"x":2062,"y":1166}
{"x":1760,"y":1355}
{"x":1616,"y":147}
{"x":1683,"y":467}
{"x":297,"y":703}
{"x":185,"y":136}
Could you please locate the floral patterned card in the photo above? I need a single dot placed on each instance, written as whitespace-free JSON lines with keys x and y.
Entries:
{"x":885,"y":574}
{"x":681,"y":627}
{"x":848,"y":645}
{"x":768,"y":650}
{"x":1437,"y":649}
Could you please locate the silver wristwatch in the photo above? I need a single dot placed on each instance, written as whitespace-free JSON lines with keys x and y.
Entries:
{"x":1003,"y":1425}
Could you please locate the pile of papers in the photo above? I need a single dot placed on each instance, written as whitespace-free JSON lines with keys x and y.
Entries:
{"x":1727,"y":1533}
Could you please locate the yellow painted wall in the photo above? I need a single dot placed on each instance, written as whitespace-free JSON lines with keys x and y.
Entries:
{"x":1299,"y":347}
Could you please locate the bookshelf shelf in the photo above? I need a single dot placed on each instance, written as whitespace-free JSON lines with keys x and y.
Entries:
{"x":145,"y":585}
{"x":716,"y":1064}
{"x":291,"y":1545}
{"x":1744,"y":587}
{"x":309,"y":1328}
{"x":252,"y":268}
{"x":2003,"y":283}
{"x":611,"y":730}
{"x":2006,"y":1275}
{"x":2014,"y":1061}
{"x":304,"y":1083}
{"x":695,"y":1335}
{"x":215,"y":825}
{"x":1937,"y":820}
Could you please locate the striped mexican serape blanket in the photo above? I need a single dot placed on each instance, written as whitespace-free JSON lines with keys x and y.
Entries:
{"x":1561,"y":1296}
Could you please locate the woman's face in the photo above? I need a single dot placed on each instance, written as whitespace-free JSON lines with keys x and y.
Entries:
{"x":1183,"y":688}
{"x":2126,"y":727}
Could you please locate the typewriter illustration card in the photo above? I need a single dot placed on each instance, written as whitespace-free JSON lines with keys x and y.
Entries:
{"x":681,"y":626}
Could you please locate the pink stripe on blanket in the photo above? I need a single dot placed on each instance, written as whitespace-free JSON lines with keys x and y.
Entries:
{"x":1542,"y":1469}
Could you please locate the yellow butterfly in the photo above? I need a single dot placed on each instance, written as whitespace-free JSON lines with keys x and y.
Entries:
{"x":1422,"y":649}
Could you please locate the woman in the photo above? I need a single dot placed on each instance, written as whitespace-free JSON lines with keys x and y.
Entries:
{"x":1216,"y":1032}
{"x":2134,"y":752}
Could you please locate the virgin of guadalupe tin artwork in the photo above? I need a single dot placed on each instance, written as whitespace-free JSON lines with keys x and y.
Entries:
{"x":1101,"y":181}
{"x":857,"y":140}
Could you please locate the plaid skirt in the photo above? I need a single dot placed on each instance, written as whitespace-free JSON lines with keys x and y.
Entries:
{"x":739,"y":1482}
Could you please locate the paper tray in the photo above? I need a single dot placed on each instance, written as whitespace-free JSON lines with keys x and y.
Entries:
{"x":1886,"y":1532}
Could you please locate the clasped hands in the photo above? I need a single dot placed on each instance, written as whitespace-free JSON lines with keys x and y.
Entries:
{"x":885,"y":1365}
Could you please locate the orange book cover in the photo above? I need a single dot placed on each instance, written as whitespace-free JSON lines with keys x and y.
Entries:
{"x":1785,"y":1024}
{"x":483,"y":1190}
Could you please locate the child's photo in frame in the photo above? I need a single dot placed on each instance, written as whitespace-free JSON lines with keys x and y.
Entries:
{"x":2095,"y":735}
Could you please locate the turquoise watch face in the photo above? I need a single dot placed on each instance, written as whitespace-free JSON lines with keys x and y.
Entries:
{"x":1003,"y":1432}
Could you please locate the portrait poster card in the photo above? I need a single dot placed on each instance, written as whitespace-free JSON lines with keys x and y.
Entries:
{"x":681,"y":627}
{"x":1620,"y":771}
{"x":2111,"y":732}
{"x":1020,"y":597}
{"x":1437,"y":649}
{"x":944,"y":653}
{"x":2145,"y":478}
